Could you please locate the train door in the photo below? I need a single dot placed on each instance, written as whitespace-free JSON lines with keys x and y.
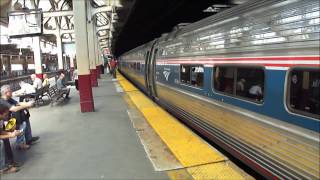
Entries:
{"x":149,"y":72}
{"x":146,"y":70}
{"x":152,"y":75}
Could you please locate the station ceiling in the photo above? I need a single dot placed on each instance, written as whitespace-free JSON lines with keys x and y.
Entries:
{"x":135,"y":22}
{"x":148,"y":19}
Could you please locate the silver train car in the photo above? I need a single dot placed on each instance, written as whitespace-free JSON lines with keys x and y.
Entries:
{"x":247,"y":78}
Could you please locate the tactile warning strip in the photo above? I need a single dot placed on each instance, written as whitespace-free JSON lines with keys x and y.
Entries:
{"x":201,"y":160}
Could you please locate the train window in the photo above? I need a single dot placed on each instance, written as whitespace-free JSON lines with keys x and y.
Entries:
{"x":197,"y":76}
{"x":224,"y":79}
{"x":192,"y":74}
{"x":138,"y":66}
{"x":250,"y":83}
{"x":303,"y":96}
{"x":244,"y":82}
{"x":131,"y":65}
{"x":185,"y":74}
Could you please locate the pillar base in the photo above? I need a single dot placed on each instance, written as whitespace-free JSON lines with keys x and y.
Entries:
{"x":85,"y":91}
{"x":40,"y":76}
{"x":93,"y":75}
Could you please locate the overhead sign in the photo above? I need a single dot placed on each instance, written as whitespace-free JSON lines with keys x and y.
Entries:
{"x":25,"y":23}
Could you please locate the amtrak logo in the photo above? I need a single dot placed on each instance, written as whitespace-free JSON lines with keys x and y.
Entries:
{"x":166,"y":74}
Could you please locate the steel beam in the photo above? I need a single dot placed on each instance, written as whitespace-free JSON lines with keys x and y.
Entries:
{"x":100,"y":10}
{"x":62,"y":32}
{"x":103,"y":43}
{"x":103,"y":37}
{"x":105,"y":27}
{"x":49,"y":14}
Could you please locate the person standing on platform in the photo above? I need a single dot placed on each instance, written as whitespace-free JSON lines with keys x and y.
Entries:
{"x":113,"y":66}
{"x":75,"y":77}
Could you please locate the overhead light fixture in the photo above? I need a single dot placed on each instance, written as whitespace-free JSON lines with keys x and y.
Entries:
{"x":216,"y":8}
{"x":18,"y":6}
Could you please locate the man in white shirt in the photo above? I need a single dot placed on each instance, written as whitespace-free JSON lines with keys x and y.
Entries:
{"x":256,"y":92}
{"x":25,"y":88}
{"x":37,"y":83}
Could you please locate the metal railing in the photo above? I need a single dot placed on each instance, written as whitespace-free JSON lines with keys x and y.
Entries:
{"x":14,"y":82}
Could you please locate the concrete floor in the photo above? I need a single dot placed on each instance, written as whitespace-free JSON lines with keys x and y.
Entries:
{"x":74,"y":145}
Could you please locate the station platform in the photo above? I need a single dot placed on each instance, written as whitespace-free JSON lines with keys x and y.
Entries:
{"x":127,"y":137}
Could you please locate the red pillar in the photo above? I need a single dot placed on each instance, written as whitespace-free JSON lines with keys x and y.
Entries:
{"x":40,"y":76}
{"x":86,"y":98}
{"x":94,"y":80}
{"x":83,"y":65}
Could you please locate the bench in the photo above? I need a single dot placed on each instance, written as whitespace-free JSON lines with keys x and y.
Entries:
{"x":37,"y":96}
{"x":55,"y":94}
{"x":40,"y":93}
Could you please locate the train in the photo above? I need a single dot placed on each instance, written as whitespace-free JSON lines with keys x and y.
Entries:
{"x":247,"y":79}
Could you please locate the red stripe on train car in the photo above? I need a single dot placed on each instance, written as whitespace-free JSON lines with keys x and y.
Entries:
{"x":295,"y":58}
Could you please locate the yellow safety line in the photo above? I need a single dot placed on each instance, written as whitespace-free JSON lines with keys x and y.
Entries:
{"x":200,"y":159}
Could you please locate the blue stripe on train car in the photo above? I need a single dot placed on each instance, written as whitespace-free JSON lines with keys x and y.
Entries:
{"x":174,"y":79}
{"x":273,"y":106}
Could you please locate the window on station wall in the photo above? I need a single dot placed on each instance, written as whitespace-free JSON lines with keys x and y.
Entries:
{"x":303,"y":96}
{"x":192,"y":75}
{"x":244,"y":82}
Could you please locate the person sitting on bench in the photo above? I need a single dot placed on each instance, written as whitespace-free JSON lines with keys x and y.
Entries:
{"x":37,"y":83}
{"x":62,"y":87}
{"x":45,"y":81}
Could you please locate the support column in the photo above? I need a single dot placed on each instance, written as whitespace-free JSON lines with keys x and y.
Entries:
{"x":37,"y":56}
{"x":1,"y":66}
{"x":101,"y":60}
{"x":93,"y":71}
{"x":9,"y":69}
{"x":59,"y":53}
{"x":25,"y":65}
{"x":80,"y":24}
{"x":97,"y":62}
{"x":95,"y":42}
{"x":71,"y":66}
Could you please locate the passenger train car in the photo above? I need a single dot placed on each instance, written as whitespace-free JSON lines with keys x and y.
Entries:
{"x":247,"y":78}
